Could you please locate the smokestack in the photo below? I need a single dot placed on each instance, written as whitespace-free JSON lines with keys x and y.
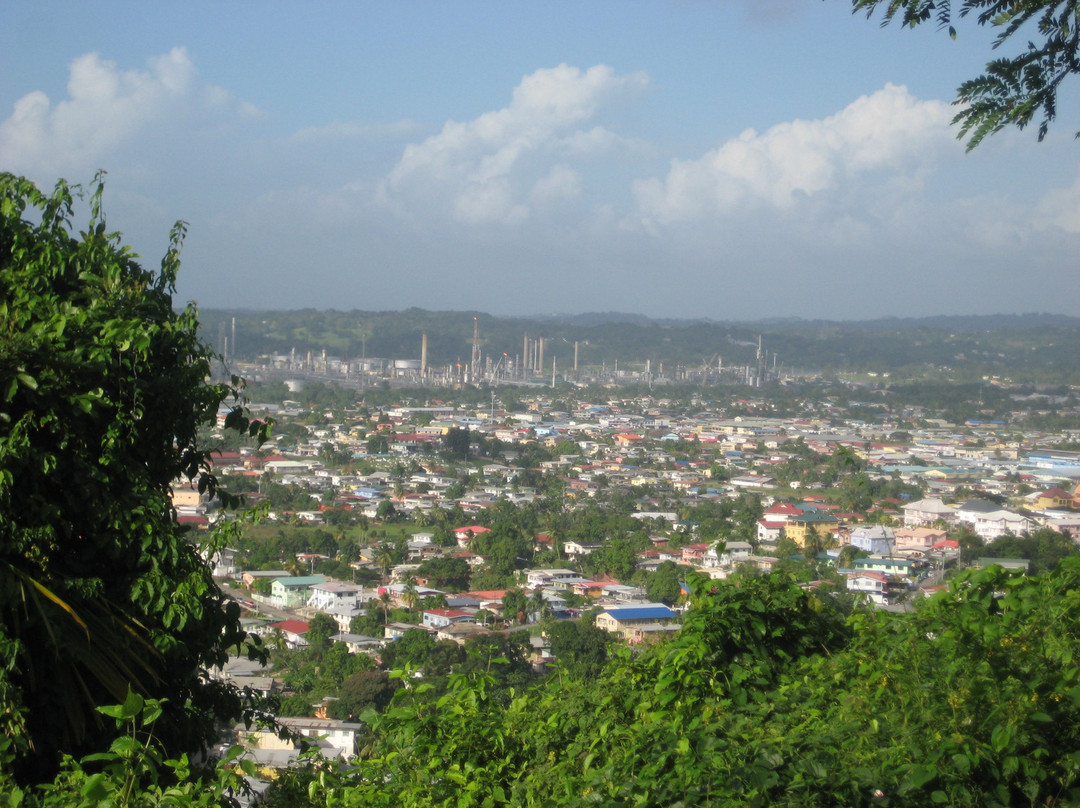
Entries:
{"x":234,"y":337}
{"x":423,"y":355}
{"x":540,"y":362}
{"x":474,"y":365}
{"x":525,"y":353}
{"x":575,"y":356}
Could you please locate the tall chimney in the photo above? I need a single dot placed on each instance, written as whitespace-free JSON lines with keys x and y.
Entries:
{"x":423,"y":355}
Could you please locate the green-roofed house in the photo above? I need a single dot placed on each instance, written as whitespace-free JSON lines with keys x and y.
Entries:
{"x":294,"y":591}
{"x":899,"y":567}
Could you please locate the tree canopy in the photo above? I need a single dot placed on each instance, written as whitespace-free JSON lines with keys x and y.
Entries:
{"x":1013,"y":90}
{"x":102,"y":395}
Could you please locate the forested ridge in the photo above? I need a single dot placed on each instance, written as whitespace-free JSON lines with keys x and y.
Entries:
{"x":1027,"y":347}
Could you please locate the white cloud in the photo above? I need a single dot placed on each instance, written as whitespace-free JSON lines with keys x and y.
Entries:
{"x":350,"y":130}
{"x":482,"y":169}
{"x":106,"y":108}
{"x":560,"y":184}
{"x":890,"y":129}
{"x":1061,"y":208}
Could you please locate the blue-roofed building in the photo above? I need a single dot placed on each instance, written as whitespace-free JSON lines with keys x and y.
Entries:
{"x":638,"y":622}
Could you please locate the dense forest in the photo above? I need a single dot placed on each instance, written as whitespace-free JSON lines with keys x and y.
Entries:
{"x":1027,"y":347}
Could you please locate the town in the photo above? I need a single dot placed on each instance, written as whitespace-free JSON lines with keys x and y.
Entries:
{"x":421,"y":533}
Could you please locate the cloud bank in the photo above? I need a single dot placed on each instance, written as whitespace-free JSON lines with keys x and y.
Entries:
{"x":888,"y":130}
{"x":106,"y":109}
{"x":874,"y":201}
{"x":499,"y":166}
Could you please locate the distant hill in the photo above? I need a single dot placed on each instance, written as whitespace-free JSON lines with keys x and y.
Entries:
{"x":1040,"y":347}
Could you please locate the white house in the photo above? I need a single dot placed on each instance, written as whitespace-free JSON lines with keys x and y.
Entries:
{"x":438,"y":618}
{"x":553,"y":578}
{"x":875,"y":585}
{"x":927,"y":511}
{"x":997,"y":523}
{"x":331,"y":596}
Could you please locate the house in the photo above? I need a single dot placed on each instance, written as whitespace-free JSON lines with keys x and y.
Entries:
{"x":693,"y":555}
{"x":897,"y":567}
{"x":293,"y":631}
{"x":994,"y":524}
{"x":798,"y":528}
{"x":917,"y":538}
{"x":734,"y":552}
{"x":249,"y":577}
{"x":330,"y":596}
{"x":439,"y":618}
{"x":552,"y":578}
{"x":393,"y":631}
{"x":1053,"y":499}
{"x":459,"y":632}
{"x":874,"y":539}
{"x":771,"y":525}
{"x":332,"y":738}
{"x":874,"y":585}
{"x":293,"y":592}
{"x":466,"y":534}
{"x":574,"y":548}
{"x":636,"y":622}
{"x":247,"y":673}
{"x":928,"y":511}
{"x":358,"y":643}
{"x":1010,"y":564}
{"x":591,"y":589}
{"x":770,"y":530}
{"x":753,"y":481}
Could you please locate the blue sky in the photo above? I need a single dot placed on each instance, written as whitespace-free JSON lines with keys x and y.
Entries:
{"x":732,"y":160}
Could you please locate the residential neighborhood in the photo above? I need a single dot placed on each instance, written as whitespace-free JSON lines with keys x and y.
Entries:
{"x":464,"y":525}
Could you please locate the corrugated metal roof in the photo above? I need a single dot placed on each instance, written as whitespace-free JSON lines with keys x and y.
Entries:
{"x":640,"y":612}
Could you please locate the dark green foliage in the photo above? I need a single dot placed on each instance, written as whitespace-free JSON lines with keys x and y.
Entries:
{"x":580,"y":647}
{"x":503,"y":654}
{"x":1014,"y":90}
{"x":410,"y":649}
{"x":766,"y":697}
{"x":366,"y":690}
{"x":451,"y":574}
{"x":102,"y":394}
{"x":135,"y":771}
{"x":321,"y":628}
{"x":1044,"y":548}
{"x":665,"y":584}
{"x":515,"y":605}
{"x":455,"y":443}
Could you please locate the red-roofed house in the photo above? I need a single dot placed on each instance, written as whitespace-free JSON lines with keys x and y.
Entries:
{"x":1054,"y":498}
{"x":874,"y":585}
{"x":466,"y":534}
{"x":294,"y":631}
